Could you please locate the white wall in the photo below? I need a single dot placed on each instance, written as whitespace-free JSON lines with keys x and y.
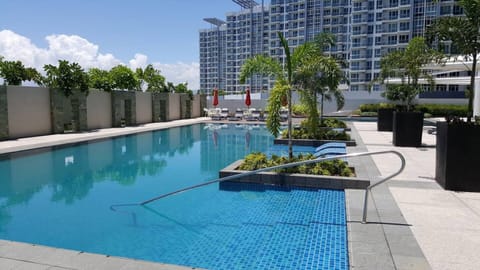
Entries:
{"x":144,"y":107}
{"x":28,"y":111}
{"x":174,"y":106}
{"x":196,"y":110}
{"x":99,"y":109}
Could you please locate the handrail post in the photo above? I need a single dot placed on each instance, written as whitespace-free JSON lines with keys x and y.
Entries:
{"x":365,"y":206}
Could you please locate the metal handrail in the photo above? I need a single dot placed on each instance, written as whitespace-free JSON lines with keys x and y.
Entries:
{"x":289,"y":165}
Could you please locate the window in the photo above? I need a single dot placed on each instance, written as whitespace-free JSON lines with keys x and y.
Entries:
{"x":445,"y":10}
{"x":403,"y":39}
{"x":355,"y":54}
{"x":392,"y":27}
{"x":357,"y":18}
{"x":404,"y":26}
{"x":392,"y":40}
{"x":404,"y":13}
{"x":393,"y":15}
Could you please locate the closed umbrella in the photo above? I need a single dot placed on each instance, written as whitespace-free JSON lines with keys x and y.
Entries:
{"x":215,"y":97}
{"x":248,"y":101}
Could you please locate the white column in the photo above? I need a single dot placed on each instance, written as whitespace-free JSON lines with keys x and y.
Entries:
{"x":476,"y":97}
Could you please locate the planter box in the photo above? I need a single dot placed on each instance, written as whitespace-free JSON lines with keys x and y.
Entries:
{"x":296,"y":180}
{"x":458,"y":150}
{"x":385,"y":119}
{"x":407,"y":129}
{"x":313,"y":143}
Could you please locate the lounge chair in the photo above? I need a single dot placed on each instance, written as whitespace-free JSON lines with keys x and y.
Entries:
{"x":224,"y":113}
{"x":252,"y":115}
{"x":283,"y":115}
{"x":263,"y":116}
{"x":237,"y":116}
{"x":215,"y":114}
{"x":256,"y":115}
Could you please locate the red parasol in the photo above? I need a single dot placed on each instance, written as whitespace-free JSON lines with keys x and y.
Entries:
{"x":215,"y":97}
{"x":248,"y":101}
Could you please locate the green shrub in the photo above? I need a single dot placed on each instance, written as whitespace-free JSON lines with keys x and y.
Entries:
{"x":299,"y":109}
{"x":334,"y":167}
{"x":435,"y":110}
{"x":375,"y":107}
{"x":333,"y":123}
{"x":323,"y":134}
{"x":441,"y":110}
{"x":367,"y":114}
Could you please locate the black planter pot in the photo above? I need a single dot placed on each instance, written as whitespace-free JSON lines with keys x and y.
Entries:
{"x":385,"y":119}
{"x":407,"y":129}
{"x":458,"y":150}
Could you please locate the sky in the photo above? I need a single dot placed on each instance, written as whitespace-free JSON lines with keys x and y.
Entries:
{"x":105,"y":33}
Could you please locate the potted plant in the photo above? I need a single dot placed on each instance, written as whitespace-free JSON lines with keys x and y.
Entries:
{"x":401,"y":71}
{"x":457,"y":144}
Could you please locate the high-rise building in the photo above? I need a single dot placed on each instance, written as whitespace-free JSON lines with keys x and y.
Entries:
{"x":364,"y":29}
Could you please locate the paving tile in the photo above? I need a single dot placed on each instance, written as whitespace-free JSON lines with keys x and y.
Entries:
{"x":8,"y":264}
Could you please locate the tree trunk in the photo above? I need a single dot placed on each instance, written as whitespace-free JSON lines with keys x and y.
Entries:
{"x":290,"y":147}
{"x":472,"y":89}
{"x":321,"y":110}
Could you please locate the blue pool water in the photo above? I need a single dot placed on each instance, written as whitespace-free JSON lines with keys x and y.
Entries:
{"x":62,"y":198}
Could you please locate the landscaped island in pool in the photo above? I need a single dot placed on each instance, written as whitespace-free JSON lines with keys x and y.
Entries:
{"x":61,"y":197}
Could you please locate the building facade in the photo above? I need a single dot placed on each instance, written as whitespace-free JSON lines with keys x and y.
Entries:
{"x":365,"y":30}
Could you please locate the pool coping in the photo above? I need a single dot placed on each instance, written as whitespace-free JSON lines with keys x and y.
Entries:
{"x":386,"y":241}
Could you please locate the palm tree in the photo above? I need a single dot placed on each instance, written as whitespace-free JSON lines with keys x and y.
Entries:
{"x":319,"y":75}
{"x":299,"y":72}
{"x":268,"y":66}
{"x":464,"y":34}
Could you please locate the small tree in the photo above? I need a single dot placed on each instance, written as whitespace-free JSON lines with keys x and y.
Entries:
{"x":152,"y":78}
{"x":66,"y":77}
{"x":464,"y":34}
{"x":318,"y":75}
{"x":100,"y":79}
{"x":14,"y":73}
{"x":406,"y":65}
{"x":268,"y":66}
{"x":124,"y":78}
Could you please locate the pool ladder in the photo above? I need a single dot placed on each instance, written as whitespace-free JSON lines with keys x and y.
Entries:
{"x":289,"y":165}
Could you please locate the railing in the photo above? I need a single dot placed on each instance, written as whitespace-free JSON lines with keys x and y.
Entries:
{"x":289,"y":165}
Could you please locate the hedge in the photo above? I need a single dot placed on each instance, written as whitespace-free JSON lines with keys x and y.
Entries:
{"x":436,"y":110}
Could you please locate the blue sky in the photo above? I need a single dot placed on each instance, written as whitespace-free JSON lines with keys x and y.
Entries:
{"x":105,"y":32}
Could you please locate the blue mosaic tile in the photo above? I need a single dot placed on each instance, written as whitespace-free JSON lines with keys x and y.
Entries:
{"x":253,"y":227}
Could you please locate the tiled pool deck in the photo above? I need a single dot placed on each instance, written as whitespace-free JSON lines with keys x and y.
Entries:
{"x":413,"y":222}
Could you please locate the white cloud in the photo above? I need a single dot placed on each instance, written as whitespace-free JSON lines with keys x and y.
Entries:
{"x":77,"y":49}
{"x":180,"y":73}
{"x":139,"y":61}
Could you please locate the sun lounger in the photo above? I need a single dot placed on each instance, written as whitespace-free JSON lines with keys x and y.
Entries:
{"x":283,"y":115}
{"x":253,"y":115}
{"x":263,"y":117}
{"x":256,"y":115}
{"x":224,"y":113}
{"x":237,"y":116}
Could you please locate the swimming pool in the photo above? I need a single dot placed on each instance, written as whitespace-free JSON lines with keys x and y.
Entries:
{"x":61,"y":198}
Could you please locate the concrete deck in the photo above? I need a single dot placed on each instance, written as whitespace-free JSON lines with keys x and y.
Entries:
{"x":445,"y":224}
{"x":413,"y":222}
